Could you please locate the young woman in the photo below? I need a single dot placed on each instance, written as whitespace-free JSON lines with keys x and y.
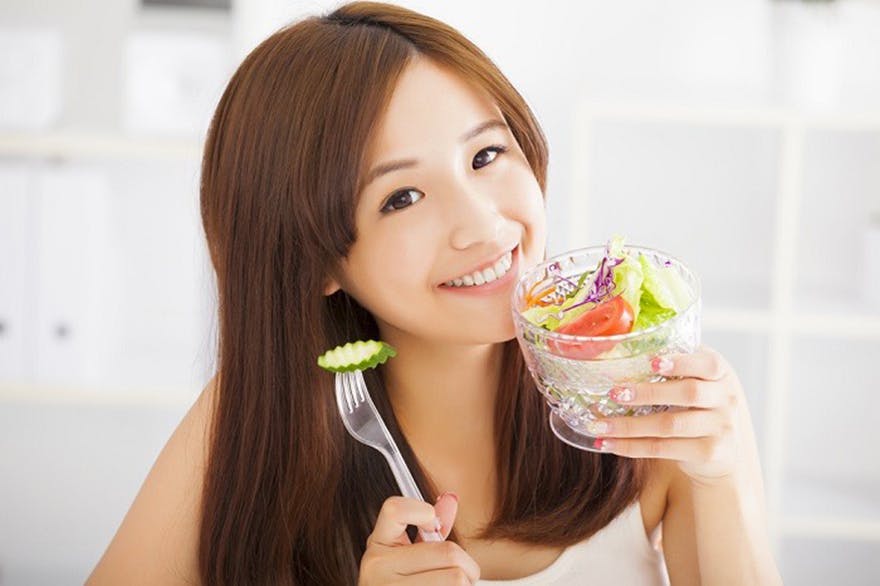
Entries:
{"x":356,"y":163}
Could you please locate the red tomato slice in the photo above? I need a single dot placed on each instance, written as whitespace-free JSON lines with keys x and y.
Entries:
{"x":609,"y":318}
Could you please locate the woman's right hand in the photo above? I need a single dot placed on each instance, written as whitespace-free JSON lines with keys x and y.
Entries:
{"x":391,"y":558}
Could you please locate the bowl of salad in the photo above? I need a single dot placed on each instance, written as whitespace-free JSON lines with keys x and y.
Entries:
{"x":593,"y":319}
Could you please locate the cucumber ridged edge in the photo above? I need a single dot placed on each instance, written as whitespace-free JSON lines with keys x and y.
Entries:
{"x":339,"y":359}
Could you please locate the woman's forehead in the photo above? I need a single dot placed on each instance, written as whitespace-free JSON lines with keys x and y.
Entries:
{"x":430,"y":104}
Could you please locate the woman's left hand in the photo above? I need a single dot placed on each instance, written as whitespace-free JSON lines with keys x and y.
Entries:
{"x":705,"y":431}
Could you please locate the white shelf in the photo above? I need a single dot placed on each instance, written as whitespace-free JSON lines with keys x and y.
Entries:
{"x":830,"y":527}
{"x":72,"y":145}
{"x":142,"y":397}
{"x":846,"y":325}
{"x":721,"y":116}
{"x":737,"y":320}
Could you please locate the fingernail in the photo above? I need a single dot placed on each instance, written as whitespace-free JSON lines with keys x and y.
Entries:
{"x":661,"y":365}
{"x":603,"y":445}
{"x":452,"y":494}
{"x":598,"y":427}
{"x":621,"y":394}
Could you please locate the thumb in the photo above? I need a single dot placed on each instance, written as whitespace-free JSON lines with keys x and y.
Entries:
{"x":446,"y":508}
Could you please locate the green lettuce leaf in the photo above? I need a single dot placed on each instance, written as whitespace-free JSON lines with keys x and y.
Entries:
{"x":666,"y":287}
{"x":628,"y":281}
{"x":652,"y":313}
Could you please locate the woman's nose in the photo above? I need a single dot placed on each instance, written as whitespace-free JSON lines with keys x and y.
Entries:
{"x":475,"y":221}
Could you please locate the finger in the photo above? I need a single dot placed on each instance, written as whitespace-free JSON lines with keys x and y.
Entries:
{"x":446,"y":508}
{"x":428,"y":557}
{"x":682,"y":423}
{"x":703,"y":449}
{"x":685,"y":392}
{"x":396,"y":513}
{"x":445,"y":577}
{"x":705,"y":363}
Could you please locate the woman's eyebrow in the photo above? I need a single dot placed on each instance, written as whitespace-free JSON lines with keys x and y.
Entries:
{"x":395,"y":165}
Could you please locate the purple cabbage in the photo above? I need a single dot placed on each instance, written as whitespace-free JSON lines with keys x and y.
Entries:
{"x":603,"y":283}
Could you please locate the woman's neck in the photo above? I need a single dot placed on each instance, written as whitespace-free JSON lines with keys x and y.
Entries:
{"x":443,"y":396}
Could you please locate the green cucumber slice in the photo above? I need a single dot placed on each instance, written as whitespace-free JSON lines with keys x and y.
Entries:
{"x":358,"y":355}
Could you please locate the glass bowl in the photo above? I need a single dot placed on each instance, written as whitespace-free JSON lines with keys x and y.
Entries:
{"x":576,"y":373}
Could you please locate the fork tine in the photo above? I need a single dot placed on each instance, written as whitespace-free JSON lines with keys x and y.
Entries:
{"x":360,"y":384}
{"x":346,"y":392}
{"x":340,"y":390}
{"x":350,"y":390}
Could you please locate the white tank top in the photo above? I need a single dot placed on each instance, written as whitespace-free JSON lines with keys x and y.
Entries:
{"x":620,"y":554}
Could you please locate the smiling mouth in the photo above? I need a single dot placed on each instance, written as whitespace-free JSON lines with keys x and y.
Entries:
{"x":485,"y":276}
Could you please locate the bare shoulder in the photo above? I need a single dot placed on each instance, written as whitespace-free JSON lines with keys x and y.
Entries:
{"x":157,"y":542}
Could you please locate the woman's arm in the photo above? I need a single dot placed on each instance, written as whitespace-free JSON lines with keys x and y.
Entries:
{"x":714,"y":527}
{"x":716,"y":534}
{"x":157,"y":542}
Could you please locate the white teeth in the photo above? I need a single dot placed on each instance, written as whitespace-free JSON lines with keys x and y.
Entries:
{"x":496,"y":271}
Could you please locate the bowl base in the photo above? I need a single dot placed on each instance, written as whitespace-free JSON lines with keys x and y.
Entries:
{"x":571,"y":437}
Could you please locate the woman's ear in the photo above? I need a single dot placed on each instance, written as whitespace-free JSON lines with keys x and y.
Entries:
{"x":331,"y":287}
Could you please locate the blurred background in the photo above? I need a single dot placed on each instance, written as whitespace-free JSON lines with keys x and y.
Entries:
{"x":743,"y":136}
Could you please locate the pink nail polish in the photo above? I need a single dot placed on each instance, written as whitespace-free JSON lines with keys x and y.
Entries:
{"x":603,"y":445}
{"x":661,"y":365}
{"x":621,"y":394}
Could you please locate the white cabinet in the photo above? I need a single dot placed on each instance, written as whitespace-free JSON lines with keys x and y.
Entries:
{"x":15,"y":237}
{"x":71,"y":283}
{"x":112,"y":260}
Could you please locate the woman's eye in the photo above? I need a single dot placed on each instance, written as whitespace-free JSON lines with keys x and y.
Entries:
{"x":482,"y":159}
{"x":402,"y":199}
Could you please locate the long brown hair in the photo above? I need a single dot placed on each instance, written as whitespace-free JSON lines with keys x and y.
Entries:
{"x":289,"y":497}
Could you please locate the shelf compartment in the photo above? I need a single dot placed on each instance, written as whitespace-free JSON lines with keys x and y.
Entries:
{"x":829,"y":561}
{"x":724,"y":184}
{"x":830,"y":464}
{"x":840,"y":196}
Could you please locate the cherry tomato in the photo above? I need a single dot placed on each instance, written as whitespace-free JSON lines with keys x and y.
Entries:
{"x":609,"y":318}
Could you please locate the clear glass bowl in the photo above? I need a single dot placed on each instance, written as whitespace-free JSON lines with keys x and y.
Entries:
{"x":576,"y":373}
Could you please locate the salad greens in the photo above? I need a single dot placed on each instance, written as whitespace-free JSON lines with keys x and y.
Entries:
{"x":653,"y":293}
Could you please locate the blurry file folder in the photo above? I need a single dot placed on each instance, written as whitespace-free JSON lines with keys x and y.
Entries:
{"x":30,"y":78}
{"x":73,"y":283}
{"x":15,"y":183}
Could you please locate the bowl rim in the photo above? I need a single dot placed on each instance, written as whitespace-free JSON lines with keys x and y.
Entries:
{"x":695,"y":301}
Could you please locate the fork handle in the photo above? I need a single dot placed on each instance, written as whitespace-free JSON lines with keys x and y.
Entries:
{"x":408,"y":487}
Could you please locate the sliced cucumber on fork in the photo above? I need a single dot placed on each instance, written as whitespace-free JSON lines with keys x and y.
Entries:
{"x":358,"y":355}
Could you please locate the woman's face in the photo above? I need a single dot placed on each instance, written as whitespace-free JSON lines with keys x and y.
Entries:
{"x":441,"y":200}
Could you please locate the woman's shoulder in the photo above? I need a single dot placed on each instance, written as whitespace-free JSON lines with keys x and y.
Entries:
{"x":157,"y":541}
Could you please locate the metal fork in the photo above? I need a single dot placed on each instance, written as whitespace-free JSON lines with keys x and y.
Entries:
{"x":364,"y":423}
